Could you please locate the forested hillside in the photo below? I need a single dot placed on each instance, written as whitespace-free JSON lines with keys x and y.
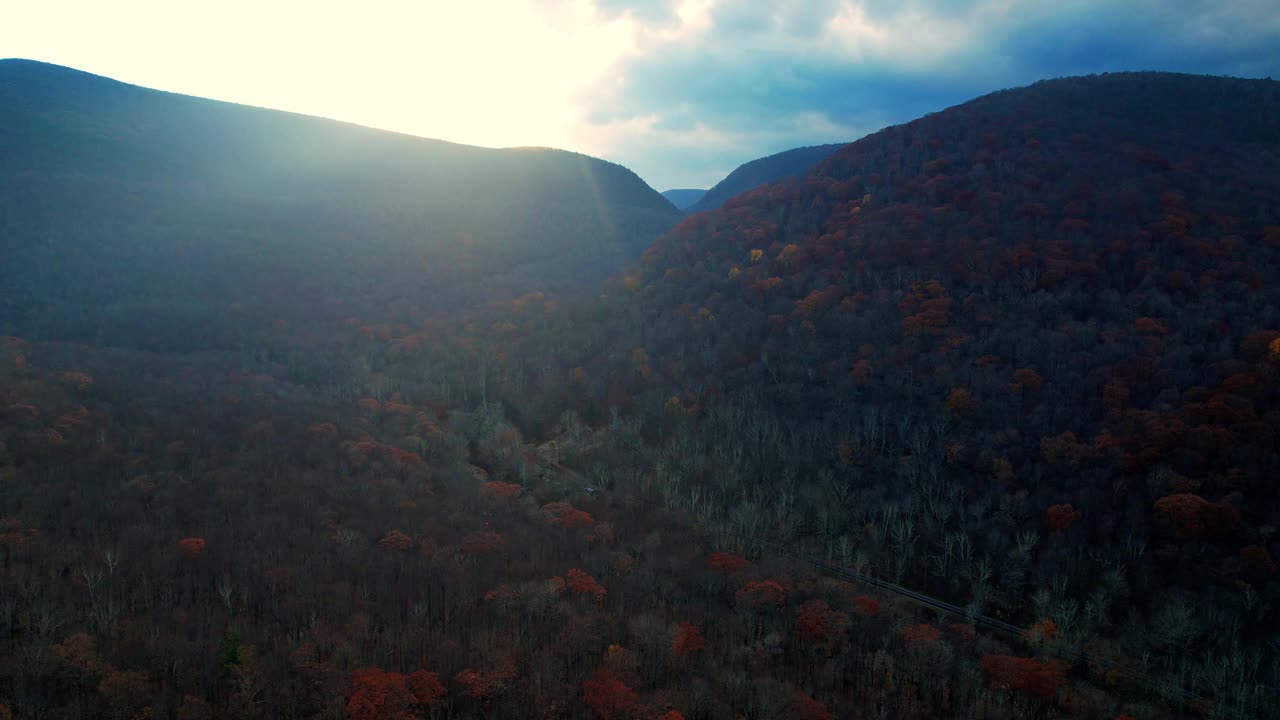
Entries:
{"x":1019,"y":355}
{"x":762,"y":171}
{"x":128,"y":213}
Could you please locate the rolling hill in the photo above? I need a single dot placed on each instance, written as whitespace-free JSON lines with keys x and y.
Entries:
{"x":762,"y":171}
{"x":163,"y":210}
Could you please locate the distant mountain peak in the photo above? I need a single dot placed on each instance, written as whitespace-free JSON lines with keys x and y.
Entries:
{"x":682,"y":198}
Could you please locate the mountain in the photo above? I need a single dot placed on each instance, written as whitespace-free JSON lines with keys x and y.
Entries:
{"x":761,"y":171}
{"x":1043,"y":324}
{"x":682,"y":199}
{"x":977,"y":418}
{"x":147,"y":204}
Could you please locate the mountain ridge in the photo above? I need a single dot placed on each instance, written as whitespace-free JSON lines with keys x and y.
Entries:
{"x":88,"y":161}
{"x":762,"y":171}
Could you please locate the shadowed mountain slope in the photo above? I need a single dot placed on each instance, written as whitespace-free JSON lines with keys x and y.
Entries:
{"x":761,"y":171}
{"x":147,"y":201}
{"x":1045,"y":321}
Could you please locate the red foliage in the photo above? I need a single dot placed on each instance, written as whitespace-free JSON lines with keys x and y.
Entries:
{"x":76,"y":380}
{"x":726,"y":563}
{"x":959,"y":401}
{"x":1061,"y":517}
{"x":1256,"y":345}
{"x":191,"y":547}
{"x":927,"y":308}
{"x":862,"y":372}
{"x":580,"y":582}
{"x":501,"y":594}
{"x":803,"y":707}
{"x":564,"y":515}
{"x":688,"y":640}
{"x":125,"y":689}
{"x":498,"y":489}
{"x":817,"y":622}
{"x":607,"y":696}
{"x":194,"y":708}
{"x":1026,"y":379}
{"x":866,"y":606}
{"x":77,"y":652}
{"x":921,"y":636}
{"x":481,"y":543}
{"x":1044,"y":630}
{"x":1191,"y":516}
{"x":760,"y":594}
{"x":374,"y":694}
{"x":479,"y":686}
{"x":12,"y":532}
{"x":5,"y":712}
{"x":1258,"y":559}
{"x":426,"y":687}
{"x":1040,"y":680}
{"x":396,"y":540}
{"x":1150,"y":326}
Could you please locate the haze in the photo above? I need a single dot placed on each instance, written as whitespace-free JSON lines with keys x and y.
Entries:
{"x":681,"y":92}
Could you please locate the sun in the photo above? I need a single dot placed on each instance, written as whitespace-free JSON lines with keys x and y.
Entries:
{"x":492,"y":74}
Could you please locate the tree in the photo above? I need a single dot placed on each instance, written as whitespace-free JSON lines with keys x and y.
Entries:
{"x":866,"y":607}
{"x":481,"y":543}
{"x":397,"y":541}
{"x":374,"y":694}
{"x":759,"y":595}
{"x":607,"y":696}
{"x":191,"y":547}
{"x":1040,"y":680}
{"x":580,"y":582}
{"x":77,"y":653}
{"x":817,"y":622}
{"x":726,"y":563}
{"x":1061,"y":517}
{"x":687,"y":641}
{"x":125,"y":691}
{"x":959,"y":401}
{"x":803,"y":707}
{"x":426,"y":687}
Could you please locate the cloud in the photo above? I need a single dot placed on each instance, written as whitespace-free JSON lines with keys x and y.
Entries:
{"x":762,"y":77}
{"x":681,"y":91}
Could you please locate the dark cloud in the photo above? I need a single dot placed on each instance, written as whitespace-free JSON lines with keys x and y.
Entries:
{"x":767,"y":76}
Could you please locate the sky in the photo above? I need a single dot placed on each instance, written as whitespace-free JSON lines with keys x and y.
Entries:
{"x":680,"y":91}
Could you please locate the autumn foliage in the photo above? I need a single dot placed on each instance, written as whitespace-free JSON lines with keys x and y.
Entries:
{"x":759,"y":595}
{"x":498,"y":489}
{"x":191,"y":547}
{"x":817,"y":622}
{"x":1040,"y":680}
{"x":803,"y":707}
{"x":562,"y":514}
{"x":1061,"y":517}
{"x":608,"y":697}
{"x":687,"y":641}
{"x":726,"y":563}
{"x":375,"y":694}
{"x":397,"y":541}
{"x":577,"y":581}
